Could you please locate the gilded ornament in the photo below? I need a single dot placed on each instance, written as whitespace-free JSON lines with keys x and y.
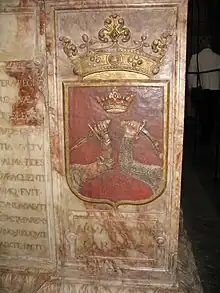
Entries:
{"x":138,"y":56}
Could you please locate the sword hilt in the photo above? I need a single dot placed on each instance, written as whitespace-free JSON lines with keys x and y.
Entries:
{"x":85,"y":138}
{"x":94,"y":132}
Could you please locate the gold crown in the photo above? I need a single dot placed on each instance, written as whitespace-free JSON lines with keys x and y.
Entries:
{"x":92,"y":57}
{"x":115,"y":102}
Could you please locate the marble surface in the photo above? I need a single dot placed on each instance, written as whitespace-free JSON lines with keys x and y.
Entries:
{"x":53,"y":234}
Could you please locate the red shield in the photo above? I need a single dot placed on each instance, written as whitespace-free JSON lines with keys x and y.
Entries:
{"x":116,"y":140}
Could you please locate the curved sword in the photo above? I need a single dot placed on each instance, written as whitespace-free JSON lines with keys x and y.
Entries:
{"x":92,"y":134}
{"x":82,"y":141}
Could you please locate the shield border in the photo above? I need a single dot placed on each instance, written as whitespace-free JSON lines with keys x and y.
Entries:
{"x":166,"y":86}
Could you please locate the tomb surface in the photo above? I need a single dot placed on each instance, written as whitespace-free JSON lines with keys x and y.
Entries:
{"x":91,"y":128}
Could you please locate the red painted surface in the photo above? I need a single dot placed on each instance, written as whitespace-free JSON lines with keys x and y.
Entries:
{"x":84,"y":109}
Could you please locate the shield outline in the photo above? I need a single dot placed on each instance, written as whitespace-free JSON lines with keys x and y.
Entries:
{"x":113,"y":83}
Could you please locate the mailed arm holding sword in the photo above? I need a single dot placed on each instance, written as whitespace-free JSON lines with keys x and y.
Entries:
{"x":134,"y":125}
{"x":149,"y":173}
{"x":134,"y":129}
{"x":80,"y":172}
{"x":99,"y":130}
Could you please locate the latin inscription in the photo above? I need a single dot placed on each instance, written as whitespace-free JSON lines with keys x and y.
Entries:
{"x":16,"y":82}
{"x":10,"y":131}
{"x":22,"y":162}
{"x":22,"y":220}
{"x":30,"y":147}
{"x":22,"y":246}
{"x":5,"y":99}
{"x":23,"y":205}
{"x":9,"y":115}
{"x":32,"y":192}
{"x":22,"y":177}
{"x":23,"y":209}
{"x":23,"y":201}
{"x":23,"y":233}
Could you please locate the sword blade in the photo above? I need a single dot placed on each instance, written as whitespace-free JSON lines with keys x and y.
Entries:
{"x":91,"y":134}
{"x":82,"y":141}
{"x":144,"y":131}
{"x":147,"y":134}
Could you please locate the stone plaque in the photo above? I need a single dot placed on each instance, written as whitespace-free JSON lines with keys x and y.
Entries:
{"x":25,"y":209}
{"x":91,"y":127}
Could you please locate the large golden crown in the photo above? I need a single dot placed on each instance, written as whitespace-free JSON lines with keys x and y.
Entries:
{"x":115,"y":102}
{"x":92,"y":57}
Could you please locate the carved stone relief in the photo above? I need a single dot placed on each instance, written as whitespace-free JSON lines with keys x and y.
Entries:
{"x":95,"y":84}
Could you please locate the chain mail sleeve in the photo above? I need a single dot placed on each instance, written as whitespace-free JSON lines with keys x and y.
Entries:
{"x":149,"y":174}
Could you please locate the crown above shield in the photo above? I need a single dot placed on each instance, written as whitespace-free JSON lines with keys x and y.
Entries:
{"x":108,"y":52}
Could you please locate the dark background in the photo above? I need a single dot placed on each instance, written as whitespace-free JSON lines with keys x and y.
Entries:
{"x":200,"y":200}
{"x":203,"y":21}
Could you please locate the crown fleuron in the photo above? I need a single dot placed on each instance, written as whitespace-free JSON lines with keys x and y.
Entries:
{"x":115,"y":102}
{"x":109,"y":53}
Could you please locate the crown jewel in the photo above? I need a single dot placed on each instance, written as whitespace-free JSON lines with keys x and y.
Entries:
{"x":115,"y":102}
{"x":92,"y":56}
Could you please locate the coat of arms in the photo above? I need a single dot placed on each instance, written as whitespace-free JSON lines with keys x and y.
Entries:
{"x":116,"y":131}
